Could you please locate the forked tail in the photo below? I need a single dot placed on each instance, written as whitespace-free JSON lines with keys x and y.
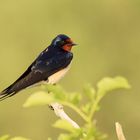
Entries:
{"x":6,"y":93}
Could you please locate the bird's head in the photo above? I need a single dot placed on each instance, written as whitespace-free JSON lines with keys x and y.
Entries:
{"x":63,"y":42}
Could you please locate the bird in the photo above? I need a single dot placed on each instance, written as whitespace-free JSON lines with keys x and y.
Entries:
{"x":49,"y":67}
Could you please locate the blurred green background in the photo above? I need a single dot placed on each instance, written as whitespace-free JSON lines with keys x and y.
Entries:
{"x":108,"y":34}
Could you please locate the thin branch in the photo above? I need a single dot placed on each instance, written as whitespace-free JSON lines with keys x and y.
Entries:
{"x":85,"y":118}
{"x":94,"y":107}
{"x":58,"y":109}
{"x":119,"y":131}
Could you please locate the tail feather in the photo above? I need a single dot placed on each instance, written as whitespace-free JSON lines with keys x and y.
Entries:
{"x":6,"y":93}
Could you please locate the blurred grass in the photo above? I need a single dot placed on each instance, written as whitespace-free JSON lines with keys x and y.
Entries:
{"x":108,"y":34}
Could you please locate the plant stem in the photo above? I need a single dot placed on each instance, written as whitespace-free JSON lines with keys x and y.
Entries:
{"x":85,"y":118}
{"x":94,"y":107}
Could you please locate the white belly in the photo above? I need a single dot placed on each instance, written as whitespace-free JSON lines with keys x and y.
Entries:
{"x":57,"y":76}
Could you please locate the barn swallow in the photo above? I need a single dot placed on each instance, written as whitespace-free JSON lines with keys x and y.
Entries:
{"x":49,"y":67}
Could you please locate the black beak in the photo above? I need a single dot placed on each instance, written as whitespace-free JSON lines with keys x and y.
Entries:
{"x":73,"y":44}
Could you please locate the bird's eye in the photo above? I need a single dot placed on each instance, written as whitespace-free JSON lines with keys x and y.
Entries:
{"x":59,"y":42}
{"x":62,"y":42}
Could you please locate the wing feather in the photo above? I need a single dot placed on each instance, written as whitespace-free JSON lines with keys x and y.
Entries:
{"x":38,"y":71}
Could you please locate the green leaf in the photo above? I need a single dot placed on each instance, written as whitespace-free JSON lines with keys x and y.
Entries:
{"x":63,"y":124}
{"x":4,"y":137}
{"x":86,"y":108}
{"x":64,"y":137}
{"x":77,"y":135}
{"x":38,"y":98}
{"x":19,"y":138}
{"x":49,"y":138}
{"x":89,"y":91}
{"x":58,"y":92}
{"x":109,"y":84}
{"x":92,"y":133}
{"x":74,"y":98}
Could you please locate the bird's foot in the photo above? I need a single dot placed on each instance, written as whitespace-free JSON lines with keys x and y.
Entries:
{"x":51,"y":107}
